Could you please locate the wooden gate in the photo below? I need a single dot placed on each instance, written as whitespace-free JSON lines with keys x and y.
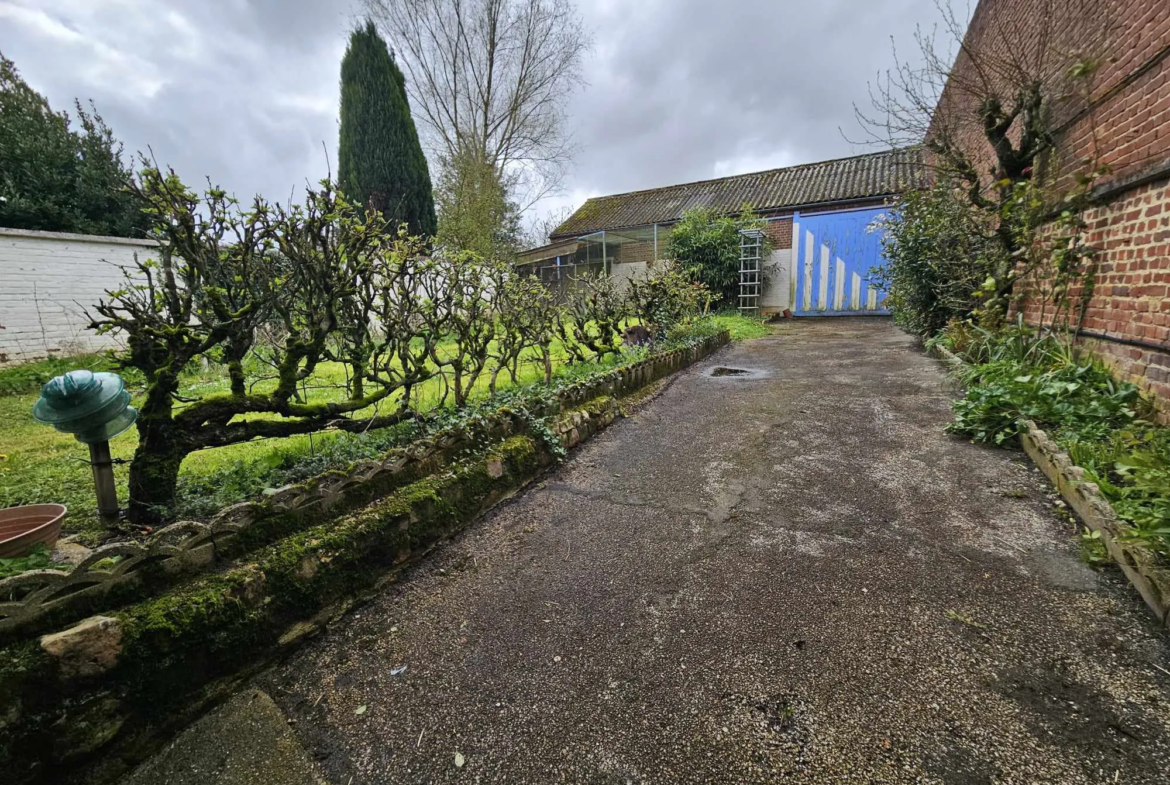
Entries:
{"x":835,"y":256}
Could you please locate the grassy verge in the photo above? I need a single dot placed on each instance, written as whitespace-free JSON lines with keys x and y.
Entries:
{"x":38,"y":464}
{"x":1104,"y":425}
{"x":742,"y":328}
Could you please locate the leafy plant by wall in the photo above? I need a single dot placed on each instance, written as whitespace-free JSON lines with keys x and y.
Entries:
{"x":380,"y":161}
{"x":1016,"y":375}
{"x":706,"y":243}
{"x":56,"y":178}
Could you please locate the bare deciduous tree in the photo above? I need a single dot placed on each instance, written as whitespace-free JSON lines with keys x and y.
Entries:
{"x":983,"y":108}
{"x":539,"y":231}
{"x":987,"y":103}
{"x":491,"y":76}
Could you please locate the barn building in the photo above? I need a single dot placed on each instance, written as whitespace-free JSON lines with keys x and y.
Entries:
{"x":818,"y":217}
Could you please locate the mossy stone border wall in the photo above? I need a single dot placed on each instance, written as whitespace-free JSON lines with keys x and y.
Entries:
{"x":47,"y":599}
{"x":85,"y":704}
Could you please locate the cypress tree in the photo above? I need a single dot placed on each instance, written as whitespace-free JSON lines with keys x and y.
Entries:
{"x":380,"y":161}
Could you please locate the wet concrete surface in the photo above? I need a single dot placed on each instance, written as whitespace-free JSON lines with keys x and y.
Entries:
{"x":246,"y":741}
{"x":786,"y":575}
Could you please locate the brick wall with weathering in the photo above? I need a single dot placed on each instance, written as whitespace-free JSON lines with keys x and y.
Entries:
{"x":47,"y":280}
{"x":1127,"y":317}
{"x":1119,"y":119}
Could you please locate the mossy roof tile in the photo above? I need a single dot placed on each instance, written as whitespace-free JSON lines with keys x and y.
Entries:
{"x":872,"y":175}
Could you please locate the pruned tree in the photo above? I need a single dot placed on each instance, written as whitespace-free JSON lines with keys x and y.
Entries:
{"x":526,"y":312}
{"x":494,"y":77}
{"x":311,"y":276}
{"x":380,"y":161}
{"x":983,"y":115}
{"x":590,"y":324}
{"x":459,"y":291}
{"x":666,"y":296}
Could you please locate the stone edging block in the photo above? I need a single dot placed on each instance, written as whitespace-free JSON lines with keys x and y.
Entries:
{"x":1135,"y":560}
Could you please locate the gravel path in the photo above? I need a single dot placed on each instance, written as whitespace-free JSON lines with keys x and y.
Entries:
{"x":787,"y":575}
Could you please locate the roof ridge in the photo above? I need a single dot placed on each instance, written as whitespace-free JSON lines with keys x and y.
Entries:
{"x":753,"y":174}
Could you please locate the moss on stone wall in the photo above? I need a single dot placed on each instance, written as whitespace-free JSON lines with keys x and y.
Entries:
{"x":214,"y":625}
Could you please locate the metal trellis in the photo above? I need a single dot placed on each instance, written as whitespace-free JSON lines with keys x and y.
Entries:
{"x":751,"y":270}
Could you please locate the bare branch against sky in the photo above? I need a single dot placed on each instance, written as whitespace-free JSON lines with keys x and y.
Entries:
{"x":246,"y":91}
{"x":493,"y":77}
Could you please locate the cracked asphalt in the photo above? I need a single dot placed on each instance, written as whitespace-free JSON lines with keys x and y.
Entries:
{"x":787,"y":575}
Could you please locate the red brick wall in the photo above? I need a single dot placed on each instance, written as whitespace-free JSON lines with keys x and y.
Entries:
{"x":1129,"y":94}
{"x":1124,"y":125}
{"x":1131,"y":292}
{"x":779,"y":233}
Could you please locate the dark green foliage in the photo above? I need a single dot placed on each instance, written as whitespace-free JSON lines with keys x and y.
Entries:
{"x":37,"y":559}
{"x":1131,"y":466}
{"x":55,"y":178}
{"x":706,"y":243}
{"x":1100,"y":421}
{"x":1020,"y":375}
{"x":939,"y":253}
{"x":380,"y":161}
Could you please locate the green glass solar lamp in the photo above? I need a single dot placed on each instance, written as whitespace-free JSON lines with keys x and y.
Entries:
{"x":94,"y":408}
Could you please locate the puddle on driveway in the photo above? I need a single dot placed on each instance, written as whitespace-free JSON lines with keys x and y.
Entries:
{"x":723,"y":372}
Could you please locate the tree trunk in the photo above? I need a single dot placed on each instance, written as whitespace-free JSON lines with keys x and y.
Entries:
{"x":154,"y":470}
{"x":154,"y":476}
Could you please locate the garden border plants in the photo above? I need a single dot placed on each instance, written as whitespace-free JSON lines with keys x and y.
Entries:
{"x":1137,"y":562}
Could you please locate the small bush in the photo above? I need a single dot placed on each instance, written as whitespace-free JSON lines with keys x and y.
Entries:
{"x":939,"y":253}
{"x":666,"y":297}
{"x":706,"y":244}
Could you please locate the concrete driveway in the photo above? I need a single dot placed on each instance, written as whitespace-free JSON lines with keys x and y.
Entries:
{"x":790,"y":574}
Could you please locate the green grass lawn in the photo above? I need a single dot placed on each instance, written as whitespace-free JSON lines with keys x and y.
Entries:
{"x":40,"y":465}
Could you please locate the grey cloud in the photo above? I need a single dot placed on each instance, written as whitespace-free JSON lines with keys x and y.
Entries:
{"x":245,"y":91}
{"x":694,"y":83}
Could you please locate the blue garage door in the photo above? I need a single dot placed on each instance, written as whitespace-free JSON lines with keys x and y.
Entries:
{"x":835,"y":256}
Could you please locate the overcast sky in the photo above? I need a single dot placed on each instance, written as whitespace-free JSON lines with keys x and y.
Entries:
{"x":245,"y":91}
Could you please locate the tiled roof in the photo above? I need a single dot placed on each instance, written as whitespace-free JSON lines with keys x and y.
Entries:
{"x":864,"y":176}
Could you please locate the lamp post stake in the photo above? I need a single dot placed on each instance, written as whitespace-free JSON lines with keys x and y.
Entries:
{"x":102,"y":464}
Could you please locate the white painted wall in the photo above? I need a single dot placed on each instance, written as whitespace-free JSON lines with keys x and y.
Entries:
{"x":623,"y":273}
{"x":47,"y":279}
{"x":777,"y":282}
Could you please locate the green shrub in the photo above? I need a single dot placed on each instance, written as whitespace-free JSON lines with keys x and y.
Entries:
{"x":939,"y":253}
{"x":37,"y":559}
{"x":666,"y":297}
{"x":1084,"y":398}
{"x":706,"y":243}
{"x":1131,"y":466}
{"x":60,"y":173}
